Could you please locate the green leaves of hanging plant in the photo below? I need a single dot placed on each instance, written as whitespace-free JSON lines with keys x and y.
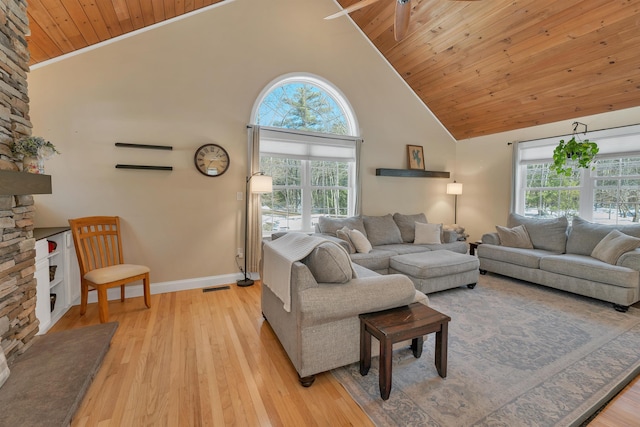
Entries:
{"x":573,"y":153}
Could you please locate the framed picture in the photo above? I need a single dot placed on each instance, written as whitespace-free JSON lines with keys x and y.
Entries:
{"x":415,"y":156}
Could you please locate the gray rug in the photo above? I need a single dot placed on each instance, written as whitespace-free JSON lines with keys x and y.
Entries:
{"x":519,"y":355}
{"x":47,"y":382}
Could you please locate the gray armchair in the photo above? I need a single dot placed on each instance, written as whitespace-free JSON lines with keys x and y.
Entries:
{"x":322,"y":329}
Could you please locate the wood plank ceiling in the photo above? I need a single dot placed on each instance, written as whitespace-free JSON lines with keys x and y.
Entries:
{"x":482,"y":67}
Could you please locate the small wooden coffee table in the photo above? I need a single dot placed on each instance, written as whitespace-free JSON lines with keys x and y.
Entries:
{"x":412,"y":322}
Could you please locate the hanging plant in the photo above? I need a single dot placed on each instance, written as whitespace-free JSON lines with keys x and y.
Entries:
{"x":573,"y":153}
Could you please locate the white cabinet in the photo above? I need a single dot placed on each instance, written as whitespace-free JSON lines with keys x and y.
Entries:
{"x":57,"y":275}
{"x":43,"y":310}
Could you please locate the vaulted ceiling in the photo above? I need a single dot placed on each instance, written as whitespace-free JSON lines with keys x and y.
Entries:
{"x":482,"y":67}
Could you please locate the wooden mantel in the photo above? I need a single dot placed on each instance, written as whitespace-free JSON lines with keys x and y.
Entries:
{"x":13,"y":183}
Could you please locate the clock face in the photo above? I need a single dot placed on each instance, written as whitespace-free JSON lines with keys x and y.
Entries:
{"x":211,"y":160}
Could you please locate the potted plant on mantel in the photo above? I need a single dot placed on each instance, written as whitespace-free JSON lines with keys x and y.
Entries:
{"x":573,"y":153}
{"x":33,"y":151}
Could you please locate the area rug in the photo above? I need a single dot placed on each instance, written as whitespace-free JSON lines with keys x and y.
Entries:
{"x":519,"y":355}
{"x":48,"y":382}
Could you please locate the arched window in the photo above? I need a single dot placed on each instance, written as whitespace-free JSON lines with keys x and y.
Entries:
{"x":309,"y":145}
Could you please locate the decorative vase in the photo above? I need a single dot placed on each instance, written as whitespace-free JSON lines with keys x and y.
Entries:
{"x":33,"y":165}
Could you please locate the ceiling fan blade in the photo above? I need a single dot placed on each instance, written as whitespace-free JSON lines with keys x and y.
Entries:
{"x":403,"y":13}
{"x":352,"y":8}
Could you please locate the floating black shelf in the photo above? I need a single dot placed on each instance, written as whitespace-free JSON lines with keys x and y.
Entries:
{"x":145,"y":167}
{"x":14,"y":183}
{"x":411,"y":173}
{"x":147,"y":146}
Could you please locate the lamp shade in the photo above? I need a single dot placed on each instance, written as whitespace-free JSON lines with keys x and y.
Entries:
{"x":261,"y":184}
{"x":454,"y":188}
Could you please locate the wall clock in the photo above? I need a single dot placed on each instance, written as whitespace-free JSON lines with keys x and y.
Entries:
{"x":211,"y":160}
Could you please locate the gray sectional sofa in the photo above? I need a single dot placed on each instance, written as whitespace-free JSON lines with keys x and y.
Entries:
{"x":319,"y":326}
{"x":585,"y":258}
{"x":390,"y":235}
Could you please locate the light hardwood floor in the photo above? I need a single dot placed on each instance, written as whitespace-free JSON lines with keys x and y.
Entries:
{"x":199,"y":358}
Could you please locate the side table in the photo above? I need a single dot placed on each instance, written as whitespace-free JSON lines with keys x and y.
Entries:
{"x":412,"y":322}
{"x":473,"y":246}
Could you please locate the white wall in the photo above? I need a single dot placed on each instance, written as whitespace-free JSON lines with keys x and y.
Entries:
{"x":484,"y":167}
{"x":194,"y":81}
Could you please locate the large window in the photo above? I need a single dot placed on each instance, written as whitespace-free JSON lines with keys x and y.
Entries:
{"x":606,"y":194}
{"x":308,"y":145}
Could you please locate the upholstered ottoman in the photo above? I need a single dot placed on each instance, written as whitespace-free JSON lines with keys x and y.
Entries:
{"x":437,"y":270}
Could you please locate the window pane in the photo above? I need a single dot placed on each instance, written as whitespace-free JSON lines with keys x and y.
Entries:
{"x":282,"y":210}
{"x":330,"y":202}
{"x":552,"y":203}
{"x":551,"y":195}
{"x":286,"y":172}
{"x":329,"y":174}
{"x":302,"y":106}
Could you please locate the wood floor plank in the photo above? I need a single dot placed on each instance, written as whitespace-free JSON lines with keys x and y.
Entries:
{"x":210,"y":359}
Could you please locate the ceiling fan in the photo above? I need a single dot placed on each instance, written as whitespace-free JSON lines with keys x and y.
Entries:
{"x":403,"y":12}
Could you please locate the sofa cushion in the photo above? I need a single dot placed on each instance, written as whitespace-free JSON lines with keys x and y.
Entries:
{"x":329,"y":263}
{"x":458,"y":246}
{"x":549,"y":234}
{"x":382,"y":230}
{"x":360,"y":241}
{"x":516,"y":237}
{"x":529,"y":258}
{"x":343,"y":234}
{"x":588,"y":268}
{"x":328,"y":225}
{"x":585,"y":235}
{"x":376,"y":260}
{"x":613,"y":245}
{"x":428,"y":234}
{"x":407,"y":225}
{"x":404,"y":248}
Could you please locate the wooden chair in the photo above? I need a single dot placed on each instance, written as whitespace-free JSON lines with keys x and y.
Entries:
{"x":99,"y":250}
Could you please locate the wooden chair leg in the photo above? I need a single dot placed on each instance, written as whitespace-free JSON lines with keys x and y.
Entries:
{"x":121,"y":293}
{"x":84,"y":296}
{"x":103,"y":304}
{"x":147,"y":291}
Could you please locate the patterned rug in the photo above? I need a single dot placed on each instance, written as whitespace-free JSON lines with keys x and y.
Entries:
{"x":519,"y":355}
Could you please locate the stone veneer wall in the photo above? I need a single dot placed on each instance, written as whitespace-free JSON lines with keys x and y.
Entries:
{"x":18,"y":323}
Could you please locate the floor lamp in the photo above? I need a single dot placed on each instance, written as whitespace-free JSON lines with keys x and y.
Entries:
{"x":259,"y":183}
{"x":455,"y":188}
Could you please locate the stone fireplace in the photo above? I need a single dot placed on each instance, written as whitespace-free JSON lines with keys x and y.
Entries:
{"x":18,"y":323}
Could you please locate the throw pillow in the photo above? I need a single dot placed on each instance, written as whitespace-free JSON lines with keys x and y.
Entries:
{"x":407,"y":225}
{"x":382,"y":230}
{"x":428,"y":234}
{"x":360,"y":242}
{"x":332,"y":225}
{"x":343,"y":234}
{"x":329,"y":263}
{"x":613,"y":245}
{"x":516,"y":237}
{"x":545,"y":233}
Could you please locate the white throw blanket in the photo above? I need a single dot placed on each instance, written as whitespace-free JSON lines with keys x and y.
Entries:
{"x":279,"y":256}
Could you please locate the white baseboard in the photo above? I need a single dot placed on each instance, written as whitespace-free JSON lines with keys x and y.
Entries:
{"x":172,"y":286}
